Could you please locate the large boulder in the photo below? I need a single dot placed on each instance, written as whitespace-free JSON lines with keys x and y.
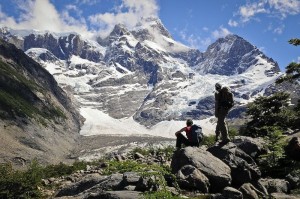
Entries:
{"x":294,"y":180}
{"x":243,"y":167}
{"x":191,"y":178}
{"x":232,"y":193}
{"x":292,"y":150}
{"x":85,"y":183}
{"x":276,"y":185}
{"x":218,"y":173}
{"x":284,"y":196}
{"x":251,"y":192}
{"x":252,"y":146}
{"x":115,"y":195}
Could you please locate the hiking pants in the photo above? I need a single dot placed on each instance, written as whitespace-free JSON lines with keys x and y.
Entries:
{"x":221,"y":125}
{"x":181,"y":139}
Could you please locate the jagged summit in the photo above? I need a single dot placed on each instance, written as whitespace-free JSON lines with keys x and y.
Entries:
{"x":155,"y":25}
{"x":231,"y":55}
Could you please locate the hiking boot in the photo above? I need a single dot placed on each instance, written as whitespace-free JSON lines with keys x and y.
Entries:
{"x":225,"y":141}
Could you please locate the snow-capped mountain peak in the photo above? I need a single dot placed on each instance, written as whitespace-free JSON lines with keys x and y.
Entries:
{"x":143,"y":75}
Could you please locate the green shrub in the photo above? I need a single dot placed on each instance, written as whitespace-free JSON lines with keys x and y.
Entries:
{"x":24,"y":184}
{"x":19,"y":184}
{"x":167,"y":151}
{"x":208,"y":140}
{"x":272,"y":162}
{"x":232,"y":132}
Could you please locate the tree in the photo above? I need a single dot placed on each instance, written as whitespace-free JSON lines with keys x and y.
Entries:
{"x":269,"y":112}
{"x":293,"y":69}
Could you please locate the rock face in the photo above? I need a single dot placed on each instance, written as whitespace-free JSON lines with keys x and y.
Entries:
{"x":230,"y":55}
{"x":38,"y":119}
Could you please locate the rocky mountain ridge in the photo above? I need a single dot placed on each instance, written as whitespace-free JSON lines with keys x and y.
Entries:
{"x":144,"y":74}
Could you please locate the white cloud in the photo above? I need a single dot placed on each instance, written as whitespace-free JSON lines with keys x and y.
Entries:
{"x":205,"y":28}
{"x":285,"y":7}
{"x":194,"y":41}
{"x":88,"y":2}
{"x":279,"y":8}
{"x":263,"y":49}
{"x":298,"y":60}
{"x":279,"y":30}
{"x":221,"y":32}
{"x":202,"y":43}
{"x":232,"y":23}
{"x":128,"y":13}
{"x":42,"y":15}
{"x":250,"y":10}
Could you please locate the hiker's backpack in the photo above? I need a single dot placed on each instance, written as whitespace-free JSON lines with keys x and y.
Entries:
{"x":226,"y":98}
{"x":196,"y":134}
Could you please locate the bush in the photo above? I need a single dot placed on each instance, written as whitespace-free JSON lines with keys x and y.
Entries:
{"x":167,"y":151}
{"x":208,"y":140}
{"x":19,"y":184}
{"x":25,"y":184}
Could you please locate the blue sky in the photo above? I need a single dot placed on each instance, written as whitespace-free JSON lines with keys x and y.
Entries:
{"x":267,"y":24}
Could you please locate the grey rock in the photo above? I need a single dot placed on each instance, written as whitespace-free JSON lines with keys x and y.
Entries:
{"x":293,"y":180}
{"x":116,"y":195}
{"x":138,"y":156}
{"x":284,"y":196}
{"x":84,"y":184}
{"x":250,"y":192}
{"x":276,"y":185}
{"x":243,"y":167}
{"x":293,"y":148}
{"x":213,"y":168}
{"x":232,"y":193}
{"x":131,"y":178}
{"x":252,"y":146}
{"x":191,"y":178}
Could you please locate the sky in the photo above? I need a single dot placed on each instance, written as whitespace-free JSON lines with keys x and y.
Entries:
{"x":267,"y":24}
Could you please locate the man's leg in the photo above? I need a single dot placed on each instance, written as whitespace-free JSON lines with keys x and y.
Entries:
{"x":222,"y":125}
{"x":217,"y":132}
{"x":181,"y":140}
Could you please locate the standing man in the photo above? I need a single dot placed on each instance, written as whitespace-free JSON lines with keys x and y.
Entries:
{"x":223,"y":103}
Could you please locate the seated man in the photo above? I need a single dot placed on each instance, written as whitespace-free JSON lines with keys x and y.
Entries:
{"x":181,"y":139}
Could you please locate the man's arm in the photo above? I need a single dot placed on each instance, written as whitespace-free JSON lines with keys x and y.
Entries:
{"x":180,"y":131}
{"x":216,"y":103}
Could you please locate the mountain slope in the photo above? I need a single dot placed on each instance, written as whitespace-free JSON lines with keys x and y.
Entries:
{"x":37,"y":117}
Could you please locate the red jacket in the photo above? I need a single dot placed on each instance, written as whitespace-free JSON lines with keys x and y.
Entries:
{"x":188,"y":133}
